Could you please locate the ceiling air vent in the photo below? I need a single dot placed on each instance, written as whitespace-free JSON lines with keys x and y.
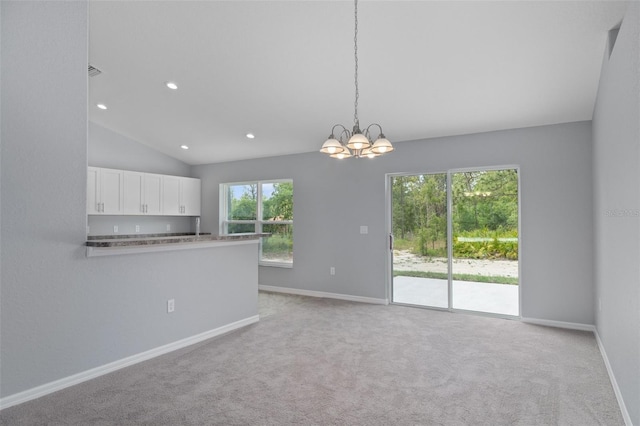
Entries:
{"x":93,"y":71}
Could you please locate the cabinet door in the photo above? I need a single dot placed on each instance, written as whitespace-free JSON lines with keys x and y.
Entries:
{"x":93,"y":190}
{"x":170,"y":195}
{"x":111,"y":186}
{"x":133,"y":187}
{"x":153,"y":194}
{"x":190,"y":192}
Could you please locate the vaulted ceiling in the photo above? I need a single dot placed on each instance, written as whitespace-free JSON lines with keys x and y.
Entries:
{"x":283,"y":70}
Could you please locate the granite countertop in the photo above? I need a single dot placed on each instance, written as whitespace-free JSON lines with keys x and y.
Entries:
{"x":154,"y":239}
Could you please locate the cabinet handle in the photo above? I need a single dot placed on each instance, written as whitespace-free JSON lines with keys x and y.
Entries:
{"x":146,"y":208}
{"x":102,"y":207}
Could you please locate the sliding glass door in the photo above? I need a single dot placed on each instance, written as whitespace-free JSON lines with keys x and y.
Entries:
{"x":456,"y":240}
{"x":420,"y":255}
{"x":484,"y":222}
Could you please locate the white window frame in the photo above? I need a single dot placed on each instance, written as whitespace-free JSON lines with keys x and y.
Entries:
{"x":258,"y":222}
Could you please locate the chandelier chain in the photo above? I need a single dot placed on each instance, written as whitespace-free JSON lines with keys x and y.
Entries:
{"x":355,"y":54}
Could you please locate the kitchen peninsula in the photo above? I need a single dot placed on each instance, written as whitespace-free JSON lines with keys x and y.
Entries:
{"x":127,"y":244}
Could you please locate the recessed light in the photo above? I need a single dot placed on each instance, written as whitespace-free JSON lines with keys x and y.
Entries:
{"x":250,"y":136}
{"x":184,"y":147}
{"x":101,"y":106}
{"x":171,"y":85}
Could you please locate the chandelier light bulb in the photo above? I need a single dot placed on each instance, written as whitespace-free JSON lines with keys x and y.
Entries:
{"x":332,"y":146}
{"x":358,"y":141}
{"x":382,"y":145}
{"x":367,"y":152}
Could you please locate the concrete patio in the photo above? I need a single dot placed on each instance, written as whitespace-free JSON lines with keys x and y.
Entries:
{"x":472,"y":296}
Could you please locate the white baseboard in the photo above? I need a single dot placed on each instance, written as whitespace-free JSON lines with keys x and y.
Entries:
{"x":614,"y":382}
{"x":75,"y":379}
{"x":560,"y":324}
{"x":314,"y":293}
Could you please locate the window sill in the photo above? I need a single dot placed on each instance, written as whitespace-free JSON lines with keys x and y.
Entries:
{"x":276,"y":264}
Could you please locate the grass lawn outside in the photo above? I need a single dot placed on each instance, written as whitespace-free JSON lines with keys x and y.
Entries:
{"x":458,"y":277}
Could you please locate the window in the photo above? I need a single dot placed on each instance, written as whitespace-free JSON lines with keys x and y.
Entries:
{"x":261,"y":206}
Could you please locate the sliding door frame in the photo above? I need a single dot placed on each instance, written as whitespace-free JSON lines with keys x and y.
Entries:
{"x":389,"y":225}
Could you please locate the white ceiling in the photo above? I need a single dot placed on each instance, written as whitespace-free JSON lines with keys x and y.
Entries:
{"x":284,"y":70}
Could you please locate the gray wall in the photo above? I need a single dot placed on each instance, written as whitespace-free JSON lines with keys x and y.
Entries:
{"x":333,"y":198}
{"x":103,"y":225}
{"x":62,"y":313}
{"x":115,"y":151}
{"x":616,"y":141}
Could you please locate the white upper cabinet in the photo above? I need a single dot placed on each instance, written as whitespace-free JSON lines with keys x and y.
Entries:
{"x":152,"y":193}
{"x":181,"y":196}
{"x":93,"y":191}
{"x":105,"y":191}
{"x":142,"y":193}
{"x":171,"y":195}
{"x":119,"y":192}
{"x":190,"y":196}
{"x":133,"y":182}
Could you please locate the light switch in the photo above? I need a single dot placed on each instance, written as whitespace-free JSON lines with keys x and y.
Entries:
{"x":364,"y":229}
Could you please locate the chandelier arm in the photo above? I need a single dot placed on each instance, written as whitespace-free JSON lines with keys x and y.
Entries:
{"x":379,"y":128}
{"x":338,"y":125}
{"x":346,"y":133}
{"x":342,"y":132}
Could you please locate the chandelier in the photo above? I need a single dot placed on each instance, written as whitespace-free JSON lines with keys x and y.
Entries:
{"x":358,"y":142}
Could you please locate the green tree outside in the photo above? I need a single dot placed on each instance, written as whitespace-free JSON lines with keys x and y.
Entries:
{"x":485,"y":208}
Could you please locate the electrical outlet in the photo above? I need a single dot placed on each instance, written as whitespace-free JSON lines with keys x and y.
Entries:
{"x":332,"y":270}
{"x":115,"y":228}
{"x":364,"y":229}
{"x":168,"y":227}
{"x":171,"y":305}
{"x":137,"y":228}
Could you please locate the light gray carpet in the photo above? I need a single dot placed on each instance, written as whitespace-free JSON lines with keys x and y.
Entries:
{"x":326,"y":362}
